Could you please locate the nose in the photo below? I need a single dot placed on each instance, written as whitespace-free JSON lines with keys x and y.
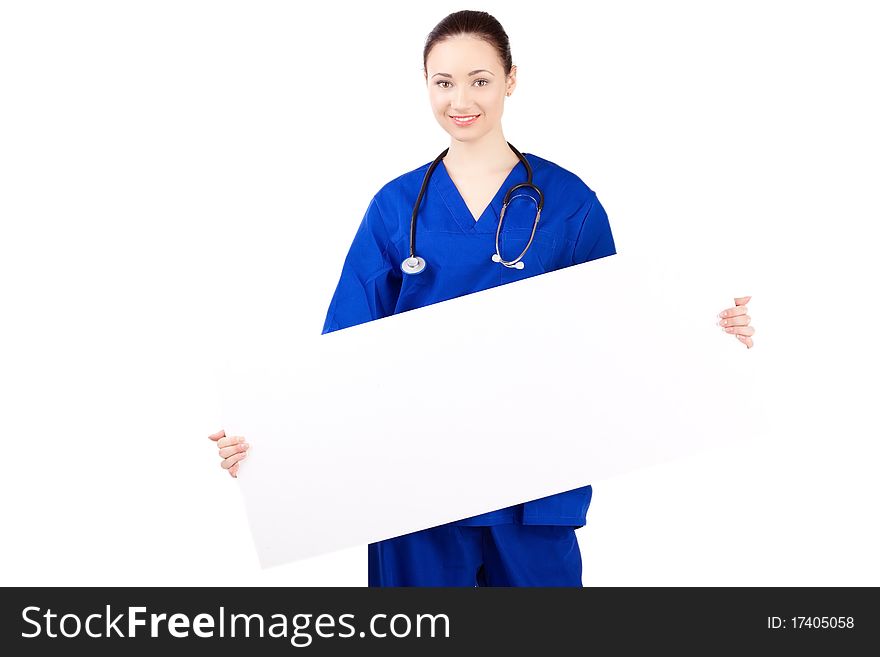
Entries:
{"x":462,"y":100}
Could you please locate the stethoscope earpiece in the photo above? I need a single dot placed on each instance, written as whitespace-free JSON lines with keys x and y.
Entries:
{"x":517,"y":265}
{"x":415,"y":264}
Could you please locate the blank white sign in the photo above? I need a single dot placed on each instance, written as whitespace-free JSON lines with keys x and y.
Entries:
{"x":477,"y":403}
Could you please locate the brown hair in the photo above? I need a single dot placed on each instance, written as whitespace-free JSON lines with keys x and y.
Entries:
{"x":477,"y":23}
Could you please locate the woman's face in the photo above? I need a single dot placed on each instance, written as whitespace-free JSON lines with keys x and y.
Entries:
{"x":466,"y":79}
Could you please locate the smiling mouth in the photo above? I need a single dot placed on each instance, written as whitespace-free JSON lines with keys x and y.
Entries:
{"x":465,"y":119}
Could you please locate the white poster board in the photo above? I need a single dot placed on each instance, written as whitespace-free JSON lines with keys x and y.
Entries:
{"x":481,"y":402}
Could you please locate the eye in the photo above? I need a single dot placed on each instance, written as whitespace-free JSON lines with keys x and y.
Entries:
{"x":442,"y":83}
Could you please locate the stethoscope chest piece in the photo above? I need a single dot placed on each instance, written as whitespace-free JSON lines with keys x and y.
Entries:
{"x":413,"y":265}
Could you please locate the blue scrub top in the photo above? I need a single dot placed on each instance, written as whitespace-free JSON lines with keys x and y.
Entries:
{"x":573,"y":229}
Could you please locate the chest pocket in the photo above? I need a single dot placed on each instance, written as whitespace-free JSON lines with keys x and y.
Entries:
{"x":540,"y":258}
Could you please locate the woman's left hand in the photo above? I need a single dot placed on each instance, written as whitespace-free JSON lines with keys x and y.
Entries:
{"x":736,"y":322}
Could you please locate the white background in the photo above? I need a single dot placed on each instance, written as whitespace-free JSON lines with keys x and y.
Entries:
{"x":178,"y":179}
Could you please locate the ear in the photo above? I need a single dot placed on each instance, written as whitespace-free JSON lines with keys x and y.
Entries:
{"x":511,"y":80}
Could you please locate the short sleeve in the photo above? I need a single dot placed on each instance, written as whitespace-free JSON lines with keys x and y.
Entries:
{"x":370,"y":282}
{"x":594,"y":239}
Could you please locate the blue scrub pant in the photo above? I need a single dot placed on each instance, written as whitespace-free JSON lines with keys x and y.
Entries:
{"x":498,"y":555}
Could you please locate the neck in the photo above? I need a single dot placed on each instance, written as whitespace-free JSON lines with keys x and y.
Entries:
{"x":488,"y":152}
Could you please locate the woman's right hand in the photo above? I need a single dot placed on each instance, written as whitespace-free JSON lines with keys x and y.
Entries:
{"x":232,"y":450}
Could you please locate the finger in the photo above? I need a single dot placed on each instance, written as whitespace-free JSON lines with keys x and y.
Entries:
{"x":234,"y":470}
{"x":233,"y":449}
{"x":232,"y":460}
{"x":739,"y":320}
{"x":733,"y":312}
{"x":746,"y":340}
{"x":741,"y":301}
{"x":218,"y":435}
{"x":230,"y":440}
{"x":740,"y":330}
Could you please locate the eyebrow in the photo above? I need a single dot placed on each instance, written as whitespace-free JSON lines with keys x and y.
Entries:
{"x":479,"y":70}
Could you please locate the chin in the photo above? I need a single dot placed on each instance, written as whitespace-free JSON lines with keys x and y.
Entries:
{"x":464,"y":135}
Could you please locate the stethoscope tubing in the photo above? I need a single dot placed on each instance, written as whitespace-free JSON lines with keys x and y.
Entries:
{"x":415,"y":265}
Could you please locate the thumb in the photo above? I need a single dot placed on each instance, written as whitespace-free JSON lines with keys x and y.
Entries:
{"x":217,"y":436}
{"x":741,"y":301}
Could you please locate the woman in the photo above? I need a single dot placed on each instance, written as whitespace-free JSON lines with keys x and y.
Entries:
{"x":469,"y":72}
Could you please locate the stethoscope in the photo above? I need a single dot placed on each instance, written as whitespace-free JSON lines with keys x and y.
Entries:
{"x":416,"y":265}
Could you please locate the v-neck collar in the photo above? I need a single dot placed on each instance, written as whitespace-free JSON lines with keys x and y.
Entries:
{"x":488,"y":221}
